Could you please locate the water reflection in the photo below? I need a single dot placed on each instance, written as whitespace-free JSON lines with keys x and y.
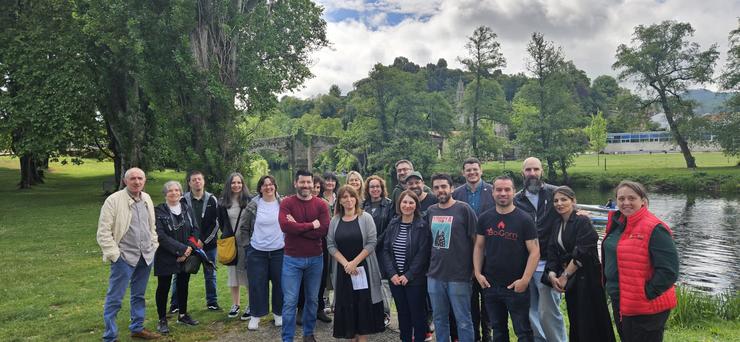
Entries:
{"x":705,"y":230}
{"x":706,"y":235}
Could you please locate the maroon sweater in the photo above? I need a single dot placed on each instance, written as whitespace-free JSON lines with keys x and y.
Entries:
{"x":301,"y":239}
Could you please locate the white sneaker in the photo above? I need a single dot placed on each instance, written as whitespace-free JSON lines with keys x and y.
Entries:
{"x":254,"y":323}
{"x":278,"y":320}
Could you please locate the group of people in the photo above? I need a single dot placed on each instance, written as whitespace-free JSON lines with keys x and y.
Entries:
{"x":457,"y":262}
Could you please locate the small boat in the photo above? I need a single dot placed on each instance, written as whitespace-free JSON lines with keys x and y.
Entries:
{"x":599,"y":212}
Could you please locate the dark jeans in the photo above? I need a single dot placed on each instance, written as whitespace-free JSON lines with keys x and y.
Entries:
{"x":209,"y":275}
{"x":163,"y":289}
{"x":502,"y":302}
{"x":322,"y":287}
{"x":642,"y":328}
{"x":479,"y":313}
{"x":412,"y":314}
{"x":263,"y":268}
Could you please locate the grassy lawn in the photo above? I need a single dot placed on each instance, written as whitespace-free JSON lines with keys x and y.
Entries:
{"x":55,"y":285}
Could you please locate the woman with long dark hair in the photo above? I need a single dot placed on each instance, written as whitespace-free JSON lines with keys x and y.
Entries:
{"x":573,"y":267}
{"x":234,"y":200}
{"x":640,"y":266}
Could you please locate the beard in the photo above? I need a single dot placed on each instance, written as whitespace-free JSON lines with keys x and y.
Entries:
{"x":443,"y":198}
{"x":417,"y":191}
{"x":533,"y":184}
{"x":305,"y":192}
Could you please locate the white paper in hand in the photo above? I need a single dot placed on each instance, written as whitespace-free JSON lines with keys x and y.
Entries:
{"x":359,"y":280}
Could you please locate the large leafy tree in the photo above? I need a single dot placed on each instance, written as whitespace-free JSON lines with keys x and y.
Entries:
{"x":484,"y":56}
{"x":46,"y":89}
{"x":728,"y":126}
{"x":195,"y":70}
{"x":662,"y":61}
{"x":546,"y":113}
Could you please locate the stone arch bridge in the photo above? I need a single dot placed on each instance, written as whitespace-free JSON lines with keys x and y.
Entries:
{"x":300,"y":148}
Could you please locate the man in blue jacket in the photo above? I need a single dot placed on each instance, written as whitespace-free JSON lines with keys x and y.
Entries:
{"x":479,"y":195}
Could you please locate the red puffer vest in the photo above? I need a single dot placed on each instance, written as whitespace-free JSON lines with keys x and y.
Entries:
{"x":635,"y":268}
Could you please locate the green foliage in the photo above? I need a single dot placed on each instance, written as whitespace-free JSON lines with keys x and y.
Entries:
{"x":47,"y":88}
{"x":546,"y":113}
{"x":662,"y":61}
{"x":695,"y":308}
{"x":596,"y":132}
{"x":480,"y":104}
{"x":726,"y":129}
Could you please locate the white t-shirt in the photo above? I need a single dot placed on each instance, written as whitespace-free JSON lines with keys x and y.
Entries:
{"x":267,"y":235}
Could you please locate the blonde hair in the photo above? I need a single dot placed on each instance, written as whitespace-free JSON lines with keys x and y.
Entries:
{"x":358,"y":175}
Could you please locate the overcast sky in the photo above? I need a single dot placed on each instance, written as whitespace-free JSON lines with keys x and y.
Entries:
{"x":363,"y":32}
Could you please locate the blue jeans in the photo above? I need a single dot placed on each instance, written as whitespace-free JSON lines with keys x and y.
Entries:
{"x":412,"y":311}
{"x":444,"y":294}
{"x":295,"y":270}
{"x":544,"y":311}
{"x":209,"y":275}
{"x":502,"y":302}
{"x":121,"y":276}
{"x":263,"y":268}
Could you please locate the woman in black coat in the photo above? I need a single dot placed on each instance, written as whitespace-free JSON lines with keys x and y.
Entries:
{"x":178,"y":236}
{"x":573,"y":267}
{"x":405,"y":260}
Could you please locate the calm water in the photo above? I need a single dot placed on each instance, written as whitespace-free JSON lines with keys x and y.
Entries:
{"x":705,"y":229}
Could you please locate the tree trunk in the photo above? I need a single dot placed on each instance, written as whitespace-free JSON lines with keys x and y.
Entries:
{"x":551,"y":174}
{"x":682,"y":143}
{"x":30,"y":171}
{"x":564,"y":170}
{"x":474,"y":135}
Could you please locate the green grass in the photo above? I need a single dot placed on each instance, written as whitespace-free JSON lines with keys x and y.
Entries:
{"x":55,"y":282}
{"x":661,"y":172}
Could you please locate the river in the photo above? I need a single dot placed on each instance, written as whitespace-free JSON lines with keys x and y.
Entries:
{"x":705,"y":230}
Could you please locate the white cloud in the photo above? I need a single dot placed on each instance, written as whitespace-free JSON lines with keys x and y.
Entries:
{"x":589,"y":32}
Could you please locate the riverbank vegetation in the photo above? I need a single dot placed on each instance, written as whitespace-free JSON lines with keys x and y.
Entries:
{"x":659,"y":171}
{"x":56,"y":281}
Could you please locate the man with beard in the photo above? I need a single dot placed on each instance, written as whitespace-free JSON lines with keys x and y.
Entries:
{"x":479,"y":195}
{"x":415,"y":183}
{"x":453,"y":224}
{"x":505,"y":257}
{"x":536,"y":200}
{"x":305,"y":221}
{"x":403,"y":169}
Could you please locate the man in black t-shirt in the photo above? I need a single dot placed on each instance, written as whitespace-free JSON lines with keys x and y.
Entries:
{"x":505,"y":256}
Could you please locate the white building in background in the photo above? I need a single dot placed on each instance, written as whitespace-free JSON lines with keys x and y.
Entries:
{"x":652,"y":142}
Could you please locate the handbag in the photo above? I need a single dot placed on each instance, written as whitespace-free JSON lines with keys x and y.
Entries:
{"x":191,"y":264}
{"x":226,"y":250}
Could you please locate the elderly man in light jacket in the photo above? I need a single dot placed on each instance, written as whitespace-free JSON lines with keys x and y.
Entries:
{"x":128,"y":238}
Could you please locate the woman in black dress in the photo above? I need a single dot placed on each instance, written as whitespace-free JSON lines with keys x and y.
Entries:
{"x":351,"y":241}
{"x":573,"y":267}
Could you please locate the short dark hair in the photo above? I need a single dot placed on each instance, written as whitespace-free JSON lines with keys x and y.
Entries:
{"x":191,"y":174}
{"x":442,"y":176}
{"x":330,"y":176}
{"x":261,"y":182}
{"x":320,"y":181}
{"x":471,"y":160}
{"x":304,"y":173}
{"x":504,"y":177}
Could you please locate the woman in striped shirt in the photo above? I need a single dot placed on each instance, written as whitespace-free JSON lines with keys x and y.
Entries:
{"x":405,"y":259}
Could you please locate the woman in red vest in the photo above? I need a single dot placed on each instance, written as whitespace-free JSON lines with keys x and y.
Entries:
{"x":640,"y":266}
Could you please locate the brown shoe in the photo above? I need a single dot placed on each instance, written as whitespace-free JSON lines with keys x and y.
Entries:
{"x":309,"y":338}
{"x":145,"y":334}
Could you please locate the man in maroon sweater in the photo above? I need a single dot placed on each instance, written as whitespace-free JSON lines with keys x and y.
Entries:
{"x":305,"y":221}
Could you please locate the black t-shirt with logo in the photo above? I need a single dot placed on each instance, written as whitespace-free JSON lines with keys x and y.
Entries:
{"x":506,"y":251}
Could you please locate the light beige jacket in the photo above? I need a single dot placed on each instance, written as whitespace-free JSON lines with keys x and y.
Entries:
{"x":115,"y":218}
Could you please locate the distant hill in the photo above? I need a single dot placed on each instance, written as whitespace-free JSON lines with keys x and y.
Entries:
{"x":708,"y":102}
